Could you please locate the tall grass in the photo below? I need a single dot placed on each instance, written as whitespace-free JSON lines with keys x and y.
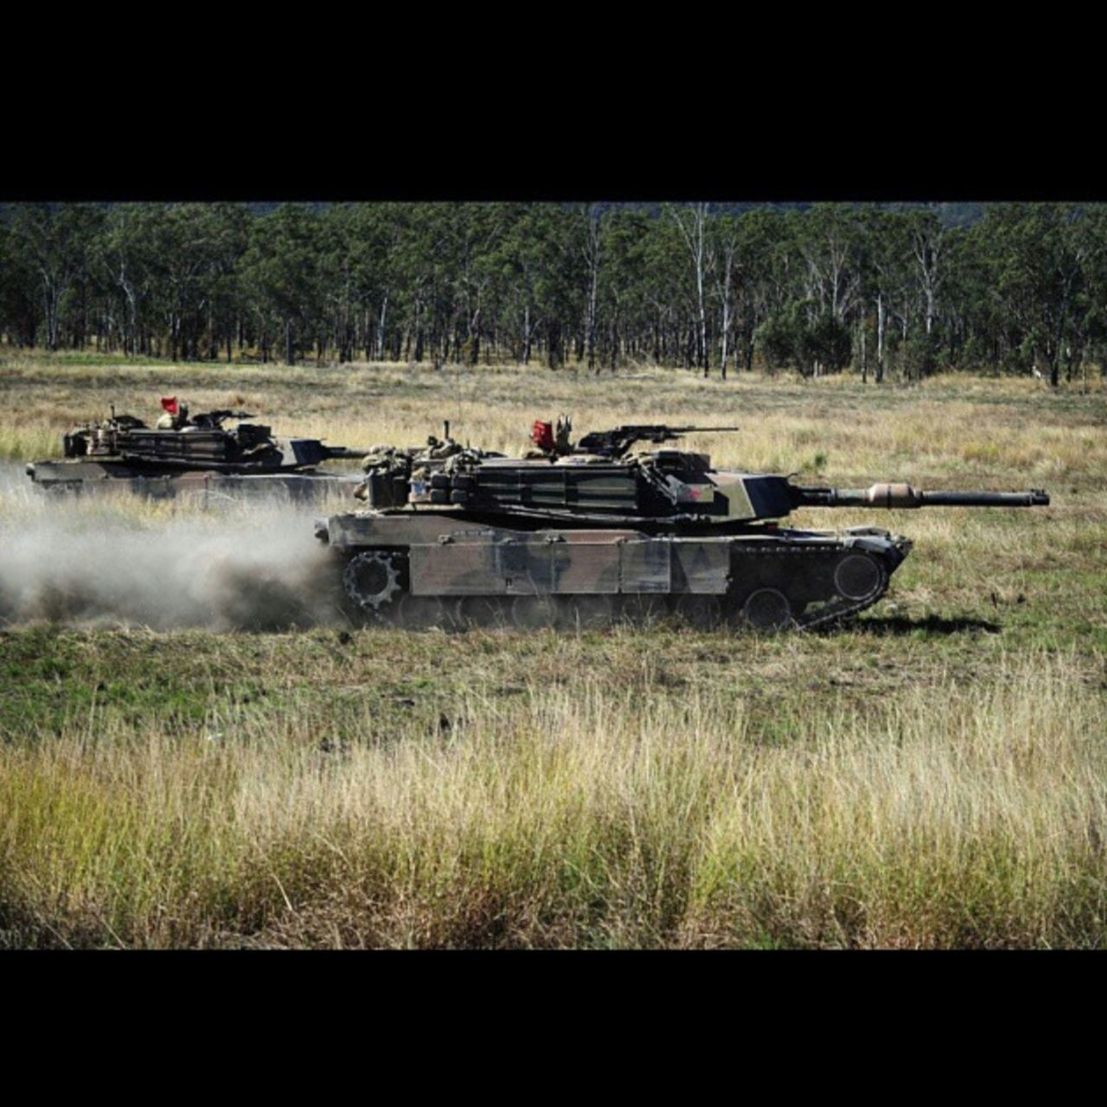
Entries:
{"x":573,"y":815}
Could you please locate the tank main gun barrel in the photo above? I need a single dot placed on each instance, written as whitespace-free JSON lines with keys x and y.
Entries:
{"x":353,"y":452}
{"x":904,"y":496}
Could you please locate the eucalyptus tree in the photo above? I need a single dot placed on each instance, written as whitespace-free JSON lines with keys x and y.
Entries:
{"x":561,"y":283}
{"x":477,"y":230}
{"x":400,"y":272}
{"x":230,"y":232}
{"x":188,"y":254}
{"x":128,"y":274}
{"x":830,"y":244}
{"x":515,"y":260}
{"x":743,"y":251}
{"x":338,"y":248}
{"x":539,"y":286}
{"x":592,"y":256}
{"x":622,"y":289}
{"x":18,"y":306}
{"x":761,"y":279}
{"x":427,"y":306}
{"x":974,"y":307}
{"x":203,"y":249}
{"x":784,"y":291}
{"x":885,"y":274}
{"x":1039,"y":255}
{"x":928,"y":239}
{"x":815,"y":282}
{"x":51,"y":240}
{"x":691,"y":220}
{"x":724,"y":242}
{"x":666,"y":290}
{"x":373,"y":244}
{"x":1091,"y":318}
{"x":535,"y":273}
{"x":928,"y":242}
{"x":281,"y":276}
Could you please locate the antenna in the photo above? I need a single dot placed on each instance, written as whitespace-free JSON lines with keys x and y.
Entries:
{"x":457,"y":388}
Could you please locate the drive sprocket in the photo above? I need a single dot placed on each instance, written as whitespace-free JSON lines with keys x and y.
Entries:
{"x":373,"y":580}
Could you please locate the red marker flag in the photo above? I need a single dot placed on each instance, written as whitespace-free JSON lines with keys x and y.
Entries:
{"x":541,"y":434}
{"x":170,"y":404}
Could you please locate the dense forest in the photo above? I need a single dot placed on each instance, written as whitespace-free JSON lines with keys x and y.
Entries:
{"x":876,"y":289}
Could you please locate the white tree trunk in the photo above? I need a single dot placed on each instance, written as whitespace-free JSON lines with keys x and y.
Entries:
{"x":380,"y":328}
{"x":879,"y":338}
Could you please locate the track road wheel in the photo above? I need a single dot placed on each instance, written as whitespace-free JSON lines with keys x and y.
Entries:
{"x":586,"y":612}
{"x":768,"y":609}
{"x":858,"y":576}
{"x":373,"y":581}
{"x":421,"y":613}
{"x":532,"y":612}
{"x":480,"y":611}
{"x":702,"y":612}
{"x":644,"y":609}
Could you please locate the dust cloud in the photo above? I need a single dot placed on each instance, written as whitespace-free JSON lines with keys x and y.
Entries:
{"x":248,"y":565}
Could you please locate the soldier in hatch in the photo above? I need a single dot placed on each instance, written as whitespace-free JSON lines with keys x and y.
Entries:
{"x":437,"y":450}
{"x":175,"y":416}
{"x":548,"y":442}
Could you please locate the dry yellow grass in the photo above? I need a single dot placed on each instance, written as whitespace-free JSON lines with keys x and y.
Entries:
{"x":949,"y":425}
{"x":575,"y":815}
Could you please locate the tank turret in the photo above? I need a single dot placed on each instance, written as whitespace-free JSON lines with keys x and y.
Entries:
{"x":660,"y":489}
{"x":593,"y":527}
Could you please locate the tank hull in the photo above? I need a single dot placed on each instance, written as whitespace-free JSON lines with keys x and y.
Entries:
{"x":100,"y":478}
{"x":457,"y":570}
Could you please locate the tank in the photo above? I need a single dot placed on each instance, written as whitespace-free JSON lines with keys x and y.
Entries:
{"x":583,"y":534}
{"x":187,"y":452}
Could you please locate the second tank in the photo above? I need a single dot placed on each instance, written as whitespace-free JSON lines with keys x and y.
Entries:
{"x":187,"y":452}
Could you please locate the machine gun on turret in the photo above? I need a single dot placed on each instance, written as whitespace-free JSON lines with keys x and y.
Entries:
{"x":213,"y":420}
{"x":615,"y":443}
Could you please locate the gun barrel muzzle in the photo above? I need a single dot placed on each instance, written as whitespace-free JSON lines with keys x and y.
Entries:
{"x":1034,"y":498}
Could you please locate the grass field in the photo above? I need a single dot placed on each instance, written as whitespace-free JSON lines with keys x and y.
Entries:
{"x":931,"y":775}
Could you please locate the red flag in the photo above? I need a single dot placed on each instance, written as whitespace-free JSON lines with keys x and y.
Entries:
{"x":541,"y":434}
{"x":170,"y":404}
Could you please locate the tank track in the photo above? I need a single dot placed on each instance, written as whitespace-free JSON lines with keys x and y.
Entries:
{"x":798,"y":565}
{"x":784,"y":585}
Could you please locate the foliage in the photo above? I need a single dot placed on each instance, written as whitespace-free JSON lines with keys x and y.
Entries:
{"x":905,"y":289}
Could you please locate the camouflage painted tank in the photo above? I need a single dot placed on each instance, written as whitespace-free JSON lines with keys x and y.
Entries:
{"x":586,"y":533}
{"x":187,"y":453}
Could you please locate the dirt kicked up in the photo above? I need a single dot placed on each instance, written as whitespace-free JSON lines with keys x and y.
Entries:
{"x":249,"y":565}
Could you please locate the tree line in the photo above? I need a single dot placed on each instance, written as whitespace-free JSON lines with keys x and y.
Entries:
{"x":877,"y":289}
